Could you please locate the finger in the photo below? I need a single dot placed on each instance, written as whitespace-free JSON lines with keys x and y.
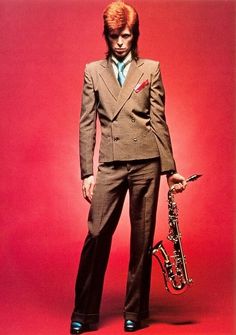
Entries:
{"x":178,"y":188}
{"x":91,"y":188}
{"x":181,"y":187}
{"x":86,"y":196}
{"x":172,"y":188}
{"x":85,"y":192}
{"x":184,"y":183}
{"x":89,"y":192}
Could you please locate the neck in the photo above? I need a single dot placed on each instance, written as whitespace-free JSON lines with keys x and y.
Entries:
{"x":122,"y":59}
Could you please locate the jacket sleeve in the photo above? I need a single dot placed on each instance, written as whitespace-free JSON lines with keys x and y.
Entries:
{"x":87,"y":129}
{"x":158,"y":122}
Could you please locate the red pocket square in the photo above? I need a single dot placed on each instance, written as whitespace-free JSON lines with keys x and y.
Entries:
{"x":141,"y":86}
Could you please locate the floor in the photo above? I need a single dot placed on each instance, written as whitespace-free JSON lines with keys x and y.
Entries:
{"x":36,"y":303}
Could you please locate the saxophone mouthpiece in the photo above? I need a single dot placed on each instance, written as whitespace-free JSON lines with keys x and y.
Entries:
{"x":193,"y":177}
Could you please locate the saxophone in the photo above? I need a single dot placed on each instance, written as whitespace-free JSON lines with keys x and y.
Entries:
{"x":175,"y":273}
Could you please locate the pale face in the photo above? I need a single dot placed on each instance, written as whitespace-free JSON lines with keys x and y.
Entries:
{"x":120,"y":42}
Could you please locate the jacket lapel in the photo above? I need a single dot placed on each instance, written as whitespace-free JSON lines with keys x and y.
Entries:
{"x":121,"y":94}
{"x":133,"y":76}
{"x":109,"y":79}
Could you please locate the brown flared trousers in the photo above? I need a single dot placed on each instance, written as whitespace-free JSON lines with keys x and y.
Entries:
{"x":141,"y":179}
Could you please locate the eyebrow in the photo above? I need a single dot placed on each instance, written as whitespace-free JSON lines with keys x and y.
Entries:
{"x":115,"y":35}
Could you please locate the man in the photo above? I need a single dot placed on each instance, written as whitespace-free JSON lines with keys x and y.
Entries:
{"x":128,"y":96}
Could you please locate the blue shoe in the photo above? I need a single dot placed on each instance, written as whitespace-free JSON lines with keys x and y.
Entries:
{"x":78,"y":327}
{"x":131,"y":326}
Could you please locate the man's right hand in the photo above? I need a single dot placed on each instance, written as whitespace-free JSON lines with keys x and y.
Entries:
{"x":88,"y":187}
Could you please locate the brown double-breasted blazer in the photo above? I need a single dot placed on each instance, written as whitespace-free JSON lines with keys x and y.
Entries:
{"x":132,"y":117}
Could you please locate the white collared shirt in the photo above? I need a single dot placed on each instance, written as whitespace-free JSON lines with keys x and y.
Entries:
{"x":127,"y":60}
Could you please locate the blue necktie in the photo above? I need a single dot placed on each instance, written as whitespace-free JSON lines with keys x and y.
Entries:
{"x":121,"y":77}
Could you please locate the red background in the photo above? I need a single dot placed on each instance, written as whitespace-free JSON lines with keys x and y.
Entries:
{"x":44,"y":47}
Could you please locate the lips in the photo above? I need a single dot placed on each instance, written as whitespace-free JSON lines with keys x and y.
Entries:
{"x":120,"y":50}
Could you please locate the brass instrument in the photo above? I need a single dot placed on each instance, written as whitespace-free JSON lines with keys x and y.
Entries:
{"x":175,"y":273}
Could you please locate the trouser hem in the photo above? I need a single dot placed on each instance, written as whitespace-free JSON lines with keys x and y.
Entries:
{"x":85,"y":318}
{"x":136,"y":316}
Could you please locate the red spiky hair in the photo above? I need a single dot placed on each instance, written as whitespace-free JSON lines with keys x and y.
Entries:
{"x":117,"y":16}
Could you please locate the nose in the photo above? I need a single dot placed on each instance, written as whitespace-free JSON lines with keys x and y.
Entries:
{"x":120,"y":41}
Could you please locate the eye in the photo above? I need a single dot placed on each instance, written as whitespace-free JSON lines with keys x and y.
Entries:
{"x":126,"y":36}
{"x":113,"y":36}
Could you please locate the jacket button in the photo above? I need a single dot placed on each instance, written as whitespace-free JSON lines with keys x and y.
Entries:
{"x":135,"y":139}
{"x":116,"y":139}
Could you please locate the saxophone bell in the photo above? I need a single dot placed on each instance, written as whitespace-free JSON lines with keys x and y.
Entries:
{"x":174,"y":278}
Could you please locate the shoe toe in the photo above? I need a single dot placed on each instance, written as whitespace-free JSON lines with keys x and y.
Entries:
{"x":131,"y":326}
{"x":78,"y":327}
